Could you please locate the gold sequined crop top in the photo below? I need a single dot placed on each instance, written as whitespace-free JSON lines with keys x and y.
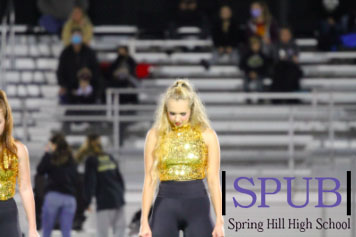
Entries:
{"x":182,"y":154}
{"x":8,"y":175}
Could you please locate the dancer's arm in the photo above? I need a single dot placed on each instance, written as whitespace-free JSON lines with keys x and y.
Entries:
{"x":149,"y":183}
{"x":25,"y":188}
{"x":213,"y":178}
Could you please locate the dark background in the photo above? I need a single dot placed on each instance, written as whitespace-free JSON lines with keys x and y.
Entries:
{"x":301,"y":15}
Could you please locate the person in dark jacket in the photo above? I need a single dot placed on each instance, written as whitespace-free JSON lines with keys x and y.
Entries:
{"x":333,"y":24}
{"x":188,"y":13}
{"x":73,"y":58}
{"x":255,"y":65}
{"x":225,"y":35}
{"x":287,"y":72}
{"x":104,"y":181}
{"x":59,"y":166}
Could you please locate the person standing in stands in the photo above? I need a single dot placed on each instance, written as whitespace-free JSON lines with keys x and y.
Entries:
{"x":78,"y":19}
{"x":59,"y":165}
{"x":181,"y":150}
{"x":14,"y":166}
{"x":74,"y":57}
{"x":104,"y":181}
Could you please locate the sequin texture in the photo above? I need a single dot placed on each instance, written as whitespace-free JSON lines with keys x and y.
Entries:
{"x":182,"y":154}
{"x":8,"y":175}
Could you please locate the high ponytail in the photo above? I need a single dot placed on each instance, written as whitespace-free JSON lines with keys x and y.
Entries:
{"x":179,"y":90}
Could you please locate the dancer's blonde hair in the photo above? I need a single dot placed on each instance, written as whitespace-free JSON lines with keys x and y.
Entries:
{"x":181,"y":89}
{"x":6,"y":138}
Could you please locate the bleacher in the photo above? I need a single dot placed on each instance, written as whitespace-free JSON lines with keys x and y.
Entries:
{"x":247,"y":132}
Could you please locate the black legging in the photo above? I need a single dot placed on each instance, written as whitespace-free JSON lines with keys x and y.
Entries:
{"x":181,"y":205}
{"x":9,"y":223}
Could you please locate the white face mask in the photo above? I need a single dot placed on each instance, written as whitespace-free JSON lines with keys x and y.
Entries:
{"x":331,"y":5}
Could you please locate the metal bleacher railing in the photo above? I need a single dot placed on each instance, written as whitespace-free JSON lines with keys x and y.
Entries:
{"x":319,"y":111}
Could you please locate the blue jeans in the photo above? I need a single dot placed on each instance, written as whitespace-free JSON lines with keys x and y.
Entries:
{"x":61,"y":205}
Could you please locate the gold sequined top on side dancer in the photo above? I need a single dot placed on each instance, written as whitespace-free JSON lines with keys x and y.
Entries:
{"x":8,"y":175}
{"x":182,"y":154}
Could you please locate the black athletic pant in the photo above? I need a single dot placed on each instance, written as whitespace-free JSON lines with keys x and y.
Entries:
{"x":181,"y":205}
{"x":9,"y":224}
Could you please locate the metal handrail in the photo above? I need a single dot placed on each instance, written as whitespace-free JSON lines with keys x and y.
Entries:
{"x":111,"y":113}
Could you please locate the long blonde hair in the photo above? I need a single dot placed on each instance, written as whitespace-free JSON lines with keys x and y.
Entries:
{"x":7,"y":140}
{"x":181,"y":89}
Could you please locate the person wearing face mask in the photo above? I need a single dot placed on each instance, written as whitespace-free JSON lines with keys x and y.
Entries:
{"x":263,"y":25}
{"x":333,"y":24}
{"x":78,"y":19}
{"x":74,"y":57}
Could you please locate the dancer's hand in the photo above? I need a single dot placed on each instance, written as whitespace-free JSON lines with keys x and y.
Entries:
{"x":219,"y":231}
{"x":33,"y":233}
{"x":145,"y":230}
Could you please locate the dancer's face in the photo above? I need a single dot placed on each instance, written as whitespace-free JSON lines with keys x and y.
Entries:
{"x":178,"y":112}
{"x":2,"y":122}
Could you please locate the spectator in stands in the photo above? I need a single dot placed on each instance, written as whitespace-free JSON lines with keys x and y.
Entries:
{"x":225,"y":36}
{"x":255,"y":65}
{"x":287,"y":73}
{"x":78,"y":19}
{"x":263,"y":25}
{"x":286,"y":49}
{"x":58,"y":164}
{"x":189,"y":14}
{"x":122,"y":74}
{"x":332,"y":25}
{"x":55,"y":13}
{"x":104,"y":181}
{"x":74,"y":57}
{"x":85,"y":92}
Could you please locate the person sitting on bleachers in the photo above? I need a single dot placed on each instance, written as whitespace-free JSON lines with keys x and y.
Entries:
{"x":122,"y":74}
{"x":286,"y":48}
{"x":225,"y":36}
{"x":255,"y":66}
{"x":287,"y":72}
{"x":73,"y":58}
{"x":78,"y":19}
{"x":55,"y":13}
{"x":263,"y":25}
{"x":332,"y":24}
{"x":85,"y":92}
{"x":188,"y":14}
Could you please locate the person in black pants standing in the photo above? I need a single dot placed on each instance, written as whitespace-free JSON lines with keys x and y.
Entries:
{"x":104,"y":181}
